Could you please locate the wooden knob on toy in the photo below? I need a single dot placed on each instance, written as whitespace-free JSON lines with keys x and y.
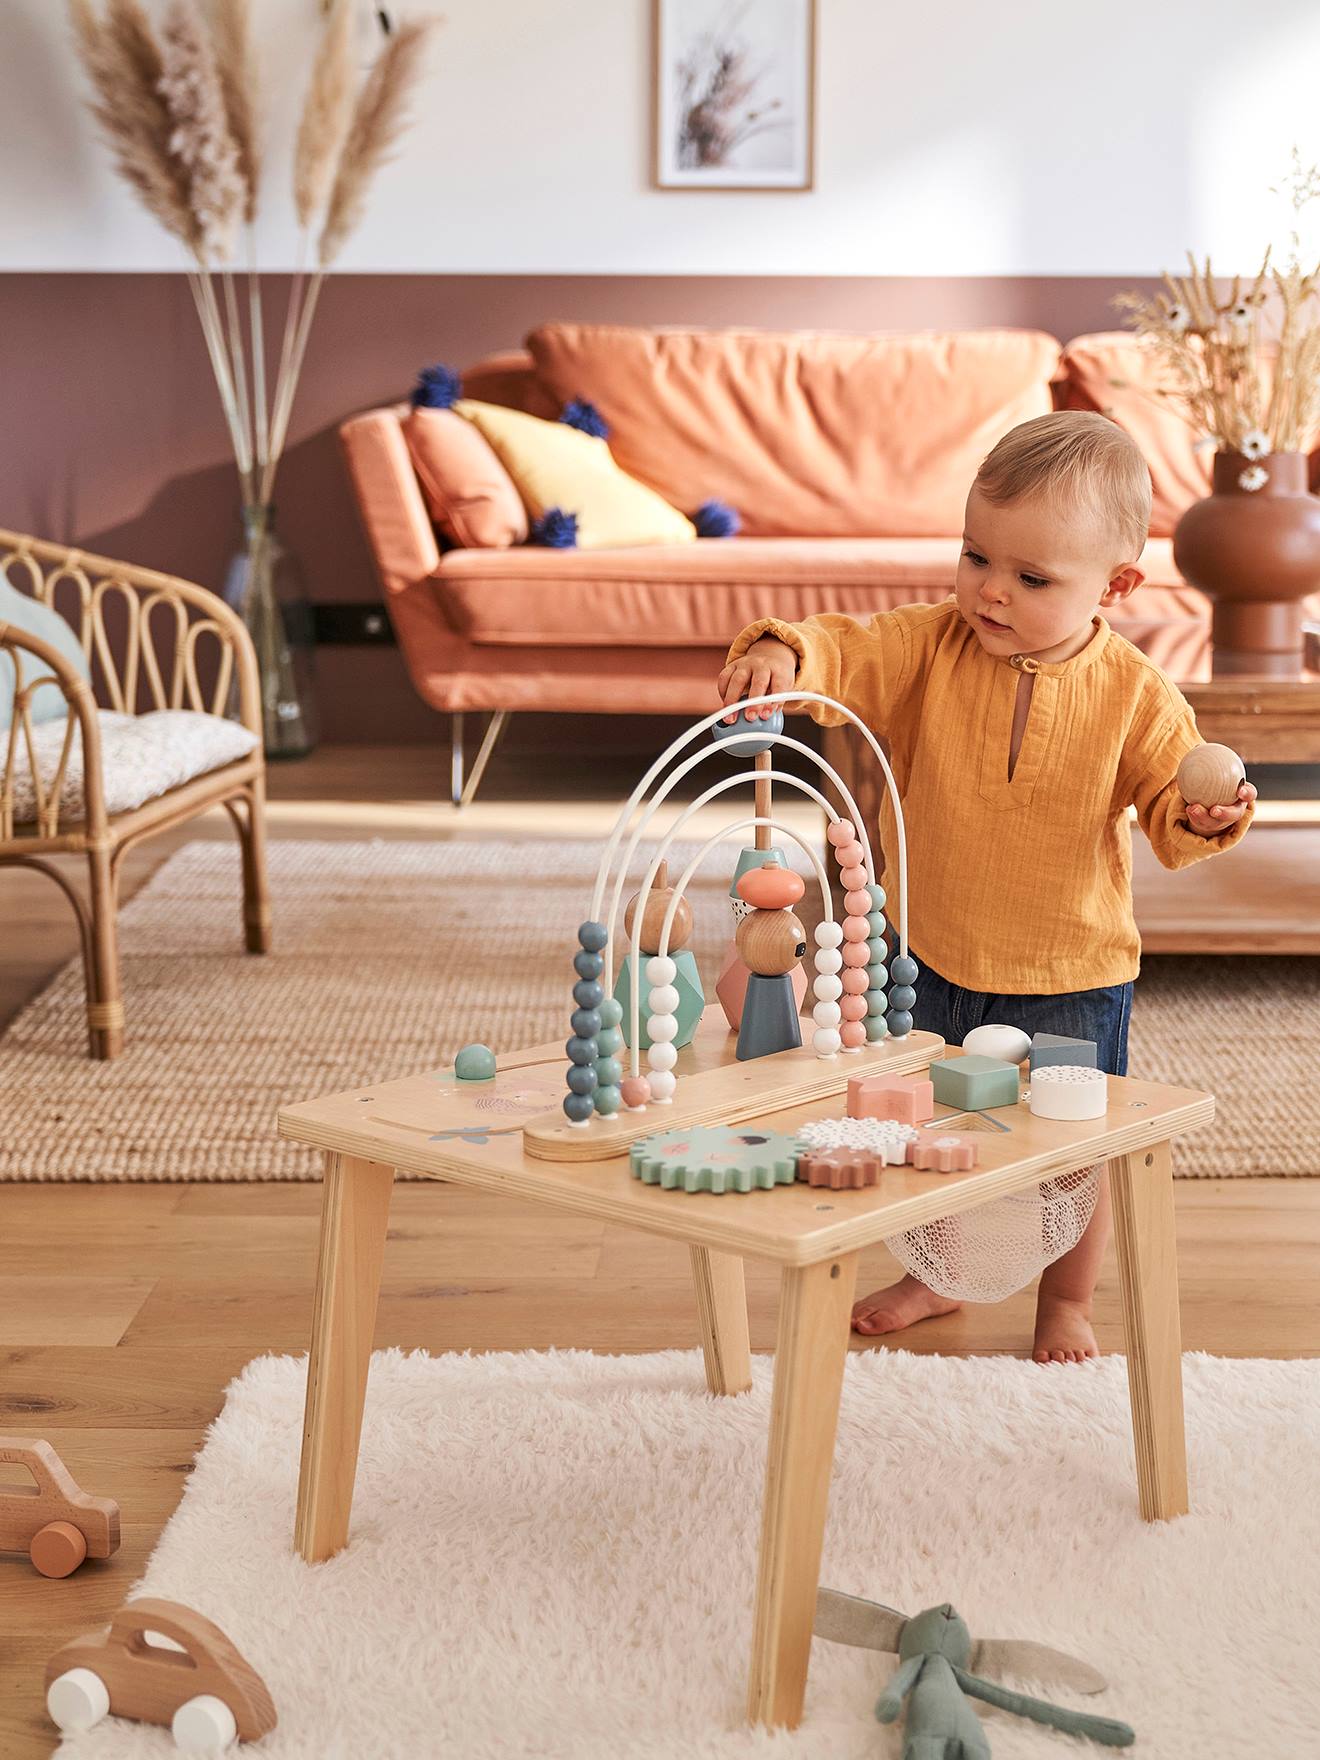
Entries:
{"x":1210,"y":776}
{"x":58,"y":1549}
{"x":771,"y":943}
{"x":771,"y":887}
{"x":653,"y":917}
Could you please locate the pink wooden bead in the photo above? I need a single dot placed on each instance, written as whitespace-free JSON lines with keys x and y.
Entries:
{"x":856,"y":929}
{"x":852,"y":1035}
{"x":841,"y":831}
{"x":636,"y":1091}
{"x":856,"y":980}
{"x":850,"y":855}
{"x":852,"y":1008}
{"x":858,"y":903}
{"x":857,"y":953}
{"x":853,"y":878}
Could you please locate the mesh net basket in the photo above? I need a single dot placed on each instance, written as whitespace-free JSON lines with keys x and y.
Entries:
{"x":985,"y":1254}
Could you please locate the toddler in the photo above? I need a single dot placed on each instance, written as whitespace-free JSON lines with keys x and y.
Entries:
{"x":1020,"y":729}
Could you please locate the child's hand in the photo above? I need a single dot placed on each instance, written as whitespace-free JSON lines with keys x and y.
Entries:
{"x":768,"y":666}
{"x":1210,"y":821}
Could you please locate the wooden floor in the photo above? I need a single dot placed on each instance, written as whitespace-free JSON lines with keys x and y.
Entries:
{"x":125,"y":1310}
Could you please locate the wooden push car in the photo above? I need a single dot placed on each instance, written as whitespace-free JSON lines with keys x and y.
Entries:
{"x":53,"y":1520}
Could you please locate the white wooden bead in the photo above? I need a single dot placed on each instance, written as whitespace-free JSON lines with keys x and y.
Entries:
{"x":663,"y":1082}
{"x":662,"y":1056}
{"x":661,"y":970}
{"x":826,"y":1014}
{"x":204,"y":1725}
{"x":828,"y":960}
{"x":825,"y":1041}
{"x":661,"y":1028}
{"x":663,"y":999}
{"x":828,"y":934}
{"x":827,"y":987}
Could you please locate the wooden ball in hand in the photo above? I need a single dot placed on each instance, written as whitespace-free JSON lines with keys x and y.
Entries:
{"x":771,"y":942}
{"x":1210,"y":776}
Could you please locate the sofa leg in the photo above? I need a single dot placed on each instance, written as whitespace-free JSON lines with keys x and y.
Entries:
{"x":461,"y":791}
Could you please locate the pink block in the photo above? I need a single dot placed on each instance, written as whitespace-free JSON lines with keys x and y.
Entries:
{"x":910,"y":1099}
{"x":943,"y":1154}
{"x":731,"y":986}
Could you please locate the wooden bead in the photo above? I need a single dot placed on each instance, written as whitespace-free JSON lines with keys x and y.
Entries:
{"x":770,"y":942}
{"x":841,"y":831}
{"x":653,"y":917}
{"x":856,"y":929}
{"x":856,"y":980}
{"x":1210,"y":776}
{"x":853,"y":1035}
{"x":636,"y":1091}
{"x":771,"y":887}
{"x":825,"y":1041}
{"x":853,"y":878}
{"x":850,"y":855}
{"x":857,"y":954}
{"x":827,"y":988}
{"x":858,"y":903}
{"x":853,"y":1008}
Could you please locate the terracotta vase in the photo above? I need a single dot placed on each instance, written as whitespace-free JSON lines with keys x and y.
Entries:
{"x":1256,"y":554}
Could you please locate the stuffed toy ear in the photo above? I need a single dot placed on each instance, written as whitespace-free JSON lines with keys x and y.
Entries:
{"x":1034,"y":1662}
{"x":847,"y":1619}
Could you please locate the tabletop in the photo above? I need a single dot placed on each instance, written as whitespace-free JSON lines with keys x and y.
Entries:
{"x":471,"y":1132}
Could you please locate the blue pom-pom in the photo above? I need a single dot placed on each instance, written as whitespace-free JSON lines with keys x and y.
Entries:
{"x":716,"y":519}
{"x":586,"y":418}
{"x":436,"y":388}
{"x":555,"y":530}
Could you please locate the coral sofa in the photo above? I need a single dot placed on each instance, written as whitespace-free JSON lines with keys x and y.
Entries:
{"x":848,"y":459}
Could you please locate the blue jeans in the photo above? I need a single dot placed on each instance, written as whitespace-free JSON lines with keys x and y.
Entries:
{"x":1102,"y":1015}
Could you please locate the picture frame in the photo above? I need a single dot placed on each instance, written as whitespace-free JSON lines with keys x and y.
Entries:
{"x":734,"y":85}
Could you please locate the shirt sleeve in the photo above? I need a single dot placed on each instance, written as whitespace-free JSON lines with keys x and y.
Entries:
{"x":1161,"y":809}
{"x":859,"y":665}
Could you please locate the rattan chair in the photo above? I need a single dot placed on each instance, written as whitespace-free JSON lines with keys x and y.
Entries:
{"x":150,"y":640}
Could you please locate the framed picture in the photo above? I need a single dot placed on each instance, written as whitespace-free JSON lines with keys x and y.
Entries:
{"x":734,"y":93}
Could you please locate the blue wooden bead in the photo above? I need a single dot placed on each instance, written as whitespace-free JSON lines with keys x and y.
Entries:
{"x":899,"y":1022}
{"x":607,"y":1100}
{"x":610,"y":1043}
{"x":593,"y":936}
{"x":578,"y":1108}
{"x":877,"y":896}
{"x":739,"y":739}
{"x":582,"y":1050}
{"x":588,"y":965}
{"x":903,"y":996}
{"x":609,"y":1073}
{"x":475,"y":1063}
{"x":585,"y":1022}
{"x":611,"y":1012}
{"x":876,"y":1006}
{"x":587,"y":993}
{"x":875,"y":922}
{"x":903,"y":969}
{"x":582,"y":1078}
{"x":876,"y":1029}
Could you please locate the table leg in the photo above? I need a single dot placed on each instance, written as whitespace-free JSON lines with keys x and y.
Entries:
{"x":722,"y":1316}
{"x":354,"y":1213}
{"x":815,"y":1304}
{"x":1142,"y":1188}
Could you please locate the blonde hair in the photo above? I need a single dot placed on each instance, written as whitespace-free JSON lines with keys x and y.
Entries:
{"x":1075,"y":456}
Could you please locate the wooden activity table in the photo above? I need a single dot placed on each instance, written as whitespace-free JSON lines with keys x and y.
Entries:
{"x":470,"y":1132}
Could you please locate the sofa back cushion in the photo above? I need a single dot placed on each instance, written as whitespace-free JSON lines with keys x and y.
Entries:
{"x":33,"y":618}
{"x":805,"y":434}
{"x":468,"y":492}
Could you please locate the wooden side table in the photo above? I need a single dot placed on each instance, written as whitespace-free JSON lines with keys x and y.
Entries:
{"x":431,"y":1125}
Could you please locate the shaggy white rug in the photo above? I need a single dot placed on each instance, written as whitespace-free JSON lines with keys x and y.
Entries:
{"x":553,"y":1557}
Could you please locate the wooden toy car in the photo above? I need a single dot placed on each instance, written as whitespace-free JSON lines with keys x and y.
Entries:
{"x":53,"y":1520}
{"x":204,"y":1690}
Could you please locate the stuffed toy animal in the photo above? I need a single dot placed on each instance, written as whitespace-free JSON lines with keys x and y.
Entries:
{"x":936,"y":1662}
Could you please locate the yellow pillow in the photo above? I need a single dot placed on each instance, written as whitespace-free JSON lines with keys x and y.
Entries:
{"x":553,"y":465}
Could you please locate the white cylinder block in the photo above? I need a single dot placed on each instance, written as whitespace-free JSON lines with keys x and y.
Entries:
{"x":1068,"y":1090}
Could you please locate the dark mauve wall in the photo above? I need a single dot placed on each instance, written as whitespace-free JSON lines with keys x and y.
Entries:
{"x":113,"y":437}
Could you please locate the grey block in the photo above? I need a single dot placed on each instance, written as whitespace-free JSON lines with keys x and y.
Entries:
{"x":1051,"y":1048}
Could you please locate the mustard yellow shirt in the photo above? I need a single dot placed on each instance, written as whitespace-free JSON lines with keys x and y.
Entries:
{"x":1021,"y":885}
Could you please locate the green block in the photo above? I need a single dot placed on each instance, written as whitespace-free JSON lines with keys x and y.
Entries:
{"x":691,"y":997}
{"x":1050,"y":1048}
{"x":973,"y":1084}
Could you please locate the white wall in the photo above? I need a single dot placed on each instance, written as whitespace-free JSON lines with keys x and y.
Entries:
{"x":1044,"y":137}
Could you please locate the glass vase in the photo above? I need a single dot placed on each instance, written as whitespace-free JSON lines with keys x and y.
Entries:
{"x":264,"y":584}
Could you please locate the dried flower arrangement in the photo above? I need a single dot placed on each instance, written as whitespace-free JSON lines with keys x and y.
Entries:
{"x":1242,"y":362}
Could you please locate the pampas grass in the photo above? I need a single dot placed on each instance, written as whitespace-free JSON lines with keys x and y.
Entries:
{"x":325,"y":116}
{"x":378,"y":120}
{"x":230,"y":36}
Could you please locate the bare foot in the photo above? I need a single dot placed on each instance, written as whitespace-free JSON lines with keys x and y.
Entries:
{"x":902,"y":1304}
{"x":1063,"y":1331}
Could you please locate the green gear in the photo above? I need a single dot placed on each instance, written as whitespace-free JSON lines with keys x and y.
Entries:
{"x":716,"y":1158}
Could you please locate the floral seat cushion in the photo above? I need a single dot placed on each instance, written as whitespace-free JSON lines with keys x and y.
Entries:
{"x":142,"y":756}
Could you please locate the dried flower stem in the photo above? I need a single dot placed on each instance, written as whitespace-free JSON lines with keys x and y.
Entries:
{"x":289,"y":379}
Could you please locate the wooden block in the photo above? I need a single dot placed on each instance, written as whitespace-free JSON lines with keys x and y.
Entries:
{"x":973,"y":1084}
{"x":946,"y":1154}
{"x":1047,"y":1048}
{"x":1068,"y":1090}
{"x":910,"y":1099}
{"x":842,"y":1170}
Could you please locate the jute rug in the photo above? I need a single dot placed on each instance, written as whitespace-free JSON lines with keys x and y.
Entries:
{"x":553,"y":1557}
{"x":390,"y":956}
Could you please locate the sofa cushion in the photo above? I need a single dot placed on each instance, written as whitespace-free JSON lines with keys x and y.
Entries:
{"x":34,"y":618}
{"x":468,"y":492}
{"x":805,"y":434}
{"x":702,"y":594}
{"x":142,"y":756}
{"x":554,"y":465}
